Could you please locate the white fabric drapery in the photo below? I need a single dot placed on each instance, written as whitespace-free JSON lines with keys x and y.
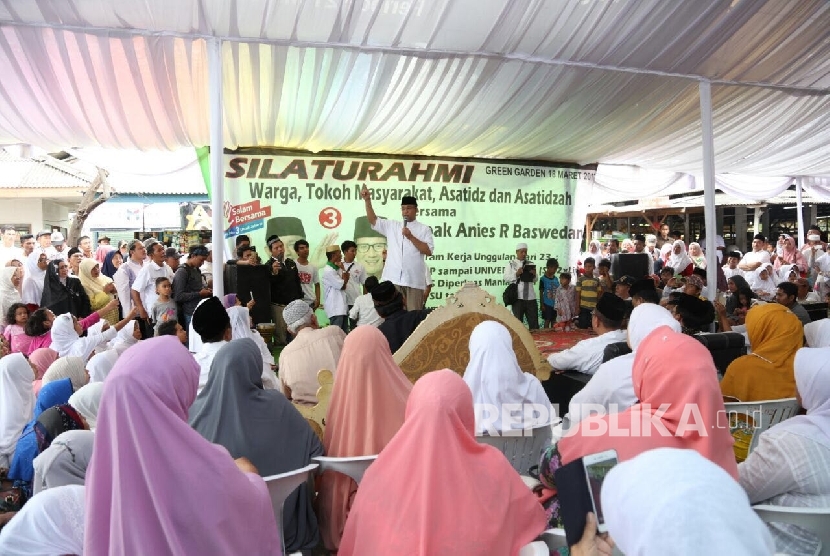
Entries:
{"x":610,"y":82}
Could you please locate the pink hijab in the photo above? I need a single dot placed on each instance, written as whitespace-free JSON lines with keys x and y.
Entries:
{"x":435,"y":490}
{"x":41,"y":358}
{"x":367,"y":408}
{"x":688,"y":384}
{"x":154,"y":485}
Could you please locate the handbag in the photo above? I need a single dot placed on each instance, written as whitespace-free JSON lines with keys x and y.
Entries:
{"x":511,"y":294}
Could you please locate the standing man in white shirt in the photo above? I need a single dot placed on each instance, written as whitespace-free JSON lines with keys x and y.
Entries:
{"x":335,"y":279}
{"x":523,"y":272}
{"x":7,"y":249}
{"x":408,"y":242}
{"x":58,"y":249}
{"x":126,"y":274}
{"x":144,"y":288}
{"x":757,"y":257}
{"x":44,"y":241}
{"x":357,"y":275}
{"x":309,"y":277}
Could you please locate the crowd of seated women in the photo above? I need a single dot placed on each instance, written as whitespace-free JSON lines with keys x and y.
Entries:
{"x":111,"y":448}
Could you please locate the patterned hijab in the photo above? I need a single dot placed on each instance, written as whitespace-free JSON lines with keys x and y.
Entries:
{"x":54,"y":422}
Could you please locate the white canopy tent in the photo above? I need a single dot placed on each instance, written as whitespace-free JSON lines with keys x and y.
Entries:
{"x":740,"y":86}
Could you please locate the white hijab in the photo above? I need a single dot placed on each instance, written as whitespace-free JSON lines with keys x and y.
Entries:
{"x":812,"y":381}
{"x":124,"y":339}
{"x":594,"y":250}
{"x":65,"y":461}
{"x":495,"y":379}
{"x":50,"y":523}
{"x":756,"y":283}
{"x":679,"y":262}
{"x":671,"y":501}
{"x":67,"y":342}
{"x":817,"y":333}
{"x":784,"y":272}
{"x":33,"y":279}
{"x":86,"y":402}
{"x":72,"y":368}
{"x":8,"y":293}
{"x":17,"y":402}
{"x":240,"y":328}
{"x":101,"y":364}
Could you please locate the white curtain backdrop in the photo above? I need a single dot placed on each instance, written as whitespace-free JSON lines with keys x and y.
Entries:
{"x":579,"y":81}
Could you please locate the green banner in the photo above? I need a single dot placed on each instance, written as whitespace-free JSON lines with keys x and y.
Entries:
{"x":478,"y":210}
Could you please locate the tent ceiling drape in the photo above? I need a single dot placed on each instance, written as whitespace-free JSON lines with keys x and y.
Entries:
{"x":487,"y":78}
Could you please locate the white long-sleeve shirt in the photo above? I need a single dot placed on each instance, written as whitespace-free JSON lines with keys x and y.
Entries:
{"x":364,"y":311}
{"x":787,"y":469}
{"x":123,"y":280}
{"x":527,"y":290}
{"x":404,"y":263}
{"x":586,"y":356}
{"x":611,"y":387}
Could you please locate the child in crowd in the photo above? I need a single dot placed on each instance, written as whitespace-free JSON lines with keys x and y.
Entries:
{"x":588,"y":291}
{"x":548,"y":285}
{"x":164,"y":308}
{"x":731,"y":269}
{"x":565,"y":303}
{"x":16,"y":338}
{"x":605,"y":280}
{"x":745,"y":297}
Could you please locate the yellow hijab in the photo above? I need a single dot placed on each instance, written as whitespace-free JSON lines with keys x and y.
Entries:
{"x":93,"y":286}
{"x":775,"y":334}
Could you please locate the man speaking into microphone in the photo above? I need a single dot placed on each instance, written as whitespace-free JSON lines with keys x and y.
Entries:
{"x":408,"y":242}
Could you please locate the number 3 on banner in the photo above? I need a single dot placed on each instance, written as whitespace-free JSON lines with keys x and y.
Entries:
{"x":330,"y":218}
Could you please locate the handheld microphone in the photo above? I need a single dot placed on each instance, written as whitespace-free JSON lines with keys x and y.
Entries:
{"x":405,"y":221}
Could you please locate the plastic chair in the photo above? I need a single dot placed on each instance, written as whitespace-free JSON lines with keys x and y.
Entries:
{"x":522,"y":451}
{"x":536,"y":548}
{"x":815,"y":520}
{"x":281,"y":486}
{"x":554,"y":538}
{"x":762,"y":415}
{"x":354,"y":467}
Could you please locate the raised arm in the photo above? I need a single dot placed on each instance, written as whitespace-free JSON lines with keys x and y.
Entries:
{"x":370,"y":212}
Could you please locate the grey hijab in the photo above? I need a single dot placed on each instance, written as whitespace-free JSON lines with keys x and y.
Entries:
{"x":65,"y":461}
{"x":234,"y":411}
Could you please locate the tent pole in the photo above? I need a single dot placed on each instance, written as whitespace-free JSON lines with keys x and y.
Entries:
{"x":799,"y":207}
{"x":705,"y":89}
{"x":217,"y":197}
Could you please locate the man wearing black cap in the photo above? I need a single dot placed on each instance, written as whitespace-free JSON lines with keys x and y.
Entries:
{"x":757,"y":257}
{"x":644,"y":291}
{"x":586,"y":356}
{"x":408,"y":242}
{"x":171,"y":257}
{"x":622,"y":287}
{"x":213,"y":325}
{"x":399,"y":322}
{"x":694,"y":314}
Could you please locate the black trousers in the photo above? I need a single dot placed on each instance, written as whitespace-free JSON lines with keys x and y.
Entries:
{"x":528,"y":310}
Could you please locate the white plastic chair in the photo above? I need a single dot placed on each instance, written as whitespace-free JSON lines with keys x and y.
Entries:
{"x":523,"y":452}
{"x":281,"y":486}
{"x":536,"y":548}
{"x":763,"y":414}
{"x":354,"y":467}
{"x":554,"y":538}
{"x":815,"y":520}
